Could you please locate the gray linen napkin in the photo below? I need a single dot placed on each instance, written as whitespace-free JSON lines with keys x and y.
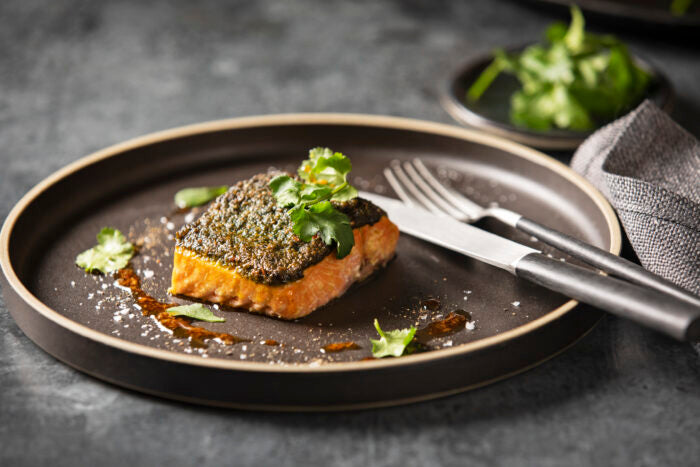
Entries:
{"x":649,"y":169}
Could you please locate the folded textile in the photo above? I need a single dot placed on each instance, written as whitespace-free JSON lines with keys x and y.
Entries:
{"x":649,"y":169}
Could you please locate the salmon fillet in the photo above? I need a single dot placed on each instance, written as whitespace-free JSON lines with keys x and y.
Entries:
{"x":205,"y":279}
{"x":229,"y":268}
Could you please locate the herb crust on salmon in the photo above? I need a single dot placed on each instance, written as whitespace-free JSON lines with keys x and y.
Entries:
{"x":243,"y":252}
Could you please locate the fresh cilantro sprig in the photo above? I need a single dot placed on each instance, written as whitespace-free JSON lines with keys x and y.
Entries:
{"x":323,"y":179}
{"x":111,"y":253}
{"x":195,"y":311}
{"x":577,"y":80}
{"x":392,"y":343}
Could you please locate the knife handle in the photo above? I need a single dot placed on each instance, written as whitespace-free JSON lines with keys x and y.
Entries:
{"x":651,"y":308}
{"x":604,"y":260}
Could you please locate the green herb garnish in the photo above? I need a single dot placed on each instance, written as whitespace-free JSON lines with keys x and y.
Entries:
{"x":324,"y":179}
{"x":195,"y":311}
{"x":575,"y":81}
{"x":680,"y":7}
{"x":191,"y":197}
{"x":111,"y":253}
{"x":392,"y":343}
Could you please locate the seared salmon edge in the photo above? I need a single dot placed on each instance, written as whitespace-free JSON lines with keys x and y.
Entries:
{"x":202,"y":278}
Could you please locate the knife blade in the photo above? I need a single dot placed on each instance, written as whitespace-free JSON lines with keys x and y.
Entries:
{"x":452,"y":234}
{"x":647,"y":306}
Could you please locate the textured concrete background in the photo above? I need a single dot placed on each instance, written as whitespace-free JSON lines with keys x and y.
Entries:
{"x":76,"y":76}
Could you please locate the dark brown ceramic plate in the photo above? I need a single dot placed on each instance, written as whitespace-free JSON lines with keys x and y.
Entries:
{"x":93,"y":325}
{"x":491,"y":112}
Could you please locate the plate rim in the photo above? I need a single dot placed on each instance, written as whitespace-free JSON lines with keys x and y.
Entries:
{"x":291,"y":119}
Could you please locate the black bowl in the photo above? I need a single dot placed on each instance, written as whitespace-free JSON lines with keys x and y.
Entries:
{"x":491,"y":112}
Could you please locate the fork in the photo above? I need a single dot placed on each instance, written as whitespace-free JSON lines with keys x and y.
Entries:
{"x":427,"y":192}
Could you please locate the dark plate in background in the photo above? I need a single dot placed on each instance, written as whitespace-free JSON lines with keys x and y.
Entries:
{"x":491,"y":112}
{"x":644,"y":12}
{"x":93,"y":325}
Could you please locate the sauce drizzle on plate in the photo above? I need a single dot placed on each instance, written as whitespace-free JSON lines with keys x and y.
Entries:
{"x":181,"y":327}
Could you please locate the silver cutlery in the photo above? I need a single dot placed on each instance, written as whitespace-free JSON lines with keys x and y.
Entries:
{"x":649,"y":307}
{"x":416,"y":185}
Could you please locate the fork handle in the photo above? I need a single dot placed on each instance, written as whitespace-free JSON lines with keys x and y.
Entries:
{"x":603,"y":260}
{"x":651,"y":308}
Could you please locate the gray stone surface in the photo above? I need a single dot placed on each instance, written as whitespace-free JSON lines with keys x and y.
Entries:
{"x":76,"y":76}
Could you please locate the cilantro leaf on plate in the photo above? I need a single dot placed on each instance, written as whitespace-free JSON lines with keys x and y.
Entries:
{"x":191,"y":197}
{"x":111,"y":253}
{"x":195,"y":311}
{"x":392,"y":343}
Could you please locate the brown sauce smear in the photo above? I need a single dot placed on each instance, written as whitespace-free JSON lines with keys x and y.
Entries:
{"x":181,"y":327}
{"x":430,"y":304}
{"x":453,"y":323}
{"x":340,"y":346}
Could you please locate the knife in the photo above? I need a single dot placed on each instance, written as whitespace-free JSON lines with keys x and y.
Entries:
{"x":649,"y":307}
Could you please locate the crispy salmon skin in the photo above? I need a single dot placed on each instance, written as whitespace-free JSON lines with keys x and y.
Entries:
{"x":242,"y":252}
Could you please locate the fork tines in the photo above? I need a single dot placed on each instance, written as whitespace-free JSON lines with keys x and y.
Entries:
{"x":418,"y":187}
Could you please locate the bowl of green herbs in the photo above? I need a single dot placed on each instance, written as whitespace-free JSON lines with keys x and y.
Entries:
{"x":554,"y":94}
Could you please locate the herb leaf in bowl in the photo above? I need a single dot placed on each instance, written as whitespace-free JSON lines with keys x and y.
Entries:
{"x":324,"y":179}
{"x":111,"y":253}
{"x":577,"y":81}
